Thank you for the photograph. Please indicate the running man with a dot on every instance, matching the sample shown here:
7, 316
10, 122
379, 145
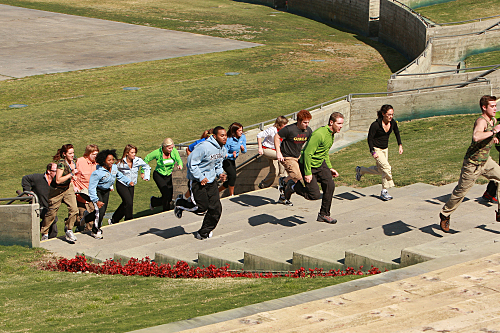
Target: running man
477, 160
204, 166
315, 166
288, 151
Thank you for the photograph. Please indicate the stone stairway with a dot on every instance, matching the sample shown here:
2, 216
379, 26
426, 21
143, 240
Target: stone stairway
257, 233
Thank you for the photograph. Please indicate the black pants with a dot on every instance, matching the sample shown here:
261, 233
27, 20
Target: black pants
126, 208
204, 199
230, 167
166, 188
103, 196
492, 186
310, 191
53, 226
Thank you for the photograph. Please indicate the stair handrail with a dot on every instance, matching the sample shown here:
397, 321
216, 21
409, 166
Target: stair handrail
24, 196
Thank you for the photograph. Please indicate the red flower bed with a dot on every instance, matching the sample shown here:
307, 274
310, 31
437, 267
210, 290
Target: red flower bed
146, 267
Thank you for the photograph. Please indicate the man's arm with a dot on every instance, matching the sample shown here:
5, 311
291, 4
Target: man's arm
277, 146
479, 133
27, 182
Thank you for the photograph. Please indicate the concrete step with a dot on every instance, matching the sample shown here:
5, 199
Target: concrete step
464, 241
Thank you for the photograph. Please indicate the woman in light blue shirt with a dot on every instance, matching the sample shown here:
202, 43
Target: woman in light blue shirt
236, 142
129, 165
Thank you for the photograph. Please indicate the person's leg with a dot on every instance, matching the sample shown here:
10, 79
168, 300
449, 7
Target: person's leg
89, 219
384, 167
295, 174
129, 211
310, 191
270, 156
124, 195
162, 186
103, 196
167, 192
53, 227
214, 210
324, 177
69, 198
468, 176
491, 171
55, 200
229, 167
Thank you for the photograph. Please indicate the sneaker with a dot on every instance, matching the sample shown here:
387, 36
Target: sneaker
197, 235
151, 203
326, 218
489, 198
97, 235
384, 195
70, 237
262, 186
283, 201
289, 190
110, 222
358, 173
445, 222
497, 216
177, 212
281, 185
44, 237
210, 234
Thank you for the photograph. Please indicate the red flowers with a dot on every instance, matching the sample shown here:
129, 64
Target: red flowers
146, 267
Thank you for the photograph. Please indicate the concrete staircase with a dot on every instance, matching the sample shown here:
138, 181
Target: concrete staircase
257, 233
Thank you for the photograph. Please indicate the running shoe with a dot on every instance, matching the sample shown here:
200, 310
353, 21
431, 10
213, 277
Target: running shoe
70, 237
358, 173
197, 235
97, 235
177, 212
289, 189
326, 218
489, 198
283, 201
44, 237
281, 185
445, 222
384, 195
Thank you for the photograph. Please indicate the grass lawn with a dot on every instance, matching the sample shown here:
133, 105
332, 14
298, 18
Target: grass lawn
460, 10
40, 301
483, 59
181, 97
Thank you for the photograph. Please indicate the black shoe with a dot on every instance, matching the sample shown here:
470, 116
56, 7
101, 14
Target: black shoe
289, 190
283, 201
281, 185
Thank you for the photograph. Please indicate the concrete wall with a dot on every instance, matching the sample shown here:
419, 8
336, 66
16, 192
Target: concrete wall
270, 3
418, 105
415, 82
351, 14
401, 29
451, 50
422, 3
460, 29
19, 225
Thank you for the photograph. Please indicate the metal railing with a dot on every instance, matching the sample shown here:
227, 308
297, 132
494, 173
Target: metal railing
457, 71
24, 196
473, 20
422, 18
248, 161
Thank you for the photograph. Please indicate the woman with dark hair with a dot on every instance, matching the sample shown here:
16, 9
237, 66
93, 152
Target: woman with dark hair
166, 157
61, 191
236, 142
100, 184
378, 141
129, 165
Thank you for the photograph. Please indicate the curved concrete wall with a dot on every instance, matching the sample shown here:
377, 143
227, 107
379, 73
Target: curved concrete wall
401, 29
351, 14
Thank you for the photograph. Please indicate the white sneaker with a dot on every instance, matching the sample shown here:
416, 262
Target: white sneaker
110, 222
198, 236
384, 195
70, 237
44, 237
97, 235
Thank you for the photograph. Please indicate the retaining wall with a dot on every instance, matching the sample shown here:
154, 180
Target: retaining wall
351, 14
401, 29
20, 225
460, 29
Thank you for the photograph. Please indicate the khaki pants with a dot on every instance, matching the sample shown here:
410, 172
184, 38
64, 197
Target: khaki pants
270, 155
468, 176
82, 207
56, 197
382, 168
291, 165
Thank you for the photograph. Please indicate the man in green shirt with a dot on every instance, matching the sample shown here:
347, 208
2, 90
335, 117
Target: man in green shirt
315, 167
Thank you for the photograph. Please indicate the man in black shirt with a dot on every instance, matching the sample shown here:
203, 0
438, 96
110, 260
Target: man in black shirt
288, 151
39, 184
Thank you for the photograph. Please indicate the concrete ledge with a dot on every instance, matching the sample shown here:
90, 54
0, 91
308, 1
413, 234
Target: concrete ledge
255, 262
356, 260
90, 258
302, 260
206, 260
161, 258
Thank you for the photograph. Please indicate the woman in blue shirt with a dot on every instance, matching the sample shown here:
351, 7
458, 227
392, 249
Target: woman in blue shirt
236, 142
129, 166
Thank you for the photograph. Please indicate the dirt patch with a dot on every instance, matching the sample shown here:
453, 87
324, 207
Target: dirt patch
240, 30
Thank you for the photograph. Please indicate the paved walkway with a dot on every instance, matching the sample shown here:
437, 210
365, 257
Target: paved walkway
34, 42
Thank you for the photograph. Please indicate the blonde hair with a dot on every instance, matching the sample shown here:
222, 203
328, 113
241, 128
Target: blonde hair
90, 149
167, 142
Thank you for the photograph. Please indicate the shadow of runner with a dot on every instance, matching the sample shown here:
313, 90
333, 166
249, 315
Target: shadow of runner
290, 221
252, 200
165, 233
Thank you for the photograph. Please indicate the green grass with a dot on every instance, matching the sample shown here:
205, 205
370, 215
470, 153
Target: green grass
40, 301
181, 97
434, 149
483, 59
460, 10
